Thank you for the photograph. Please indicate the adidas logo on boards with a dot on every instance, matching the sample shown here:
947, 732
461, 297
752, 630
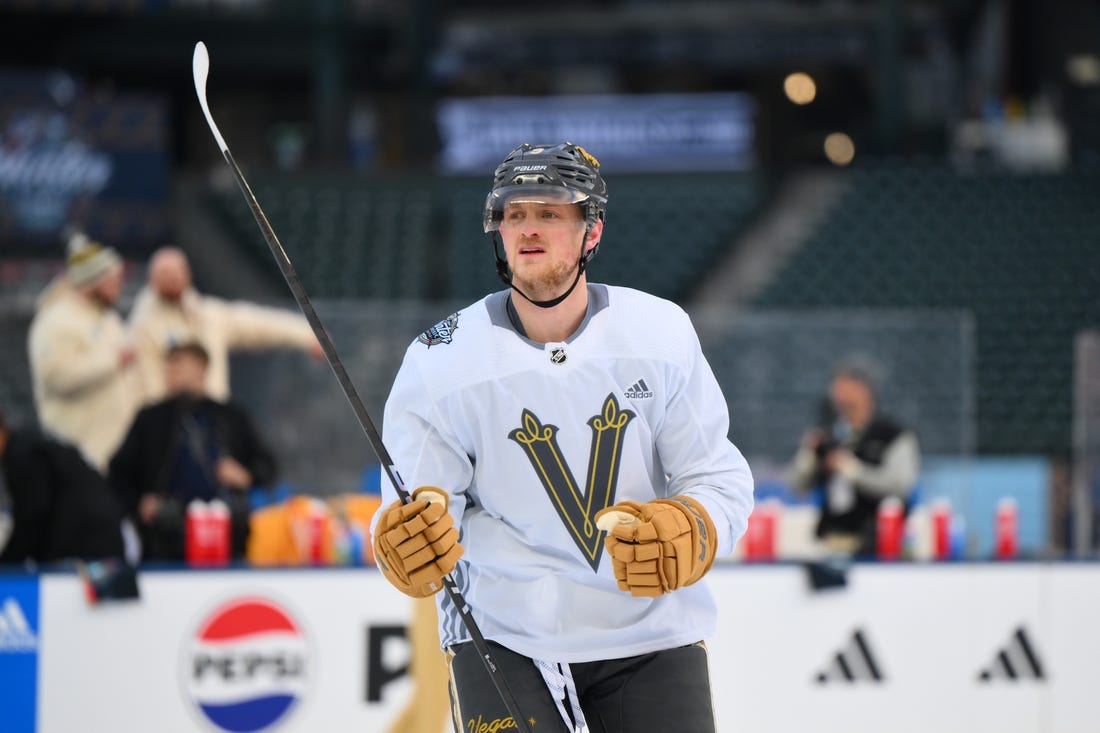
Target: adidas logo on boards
1017, 661
853, 663
16, 634
638, 391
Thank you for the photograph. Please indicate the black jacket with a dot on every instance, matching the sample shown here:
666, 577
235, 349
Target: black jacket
142, 464
61, 506
860, 519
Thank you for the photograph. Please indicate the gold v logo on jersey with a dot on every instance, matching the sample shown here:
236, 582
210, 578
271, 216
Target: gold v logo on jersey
578, 510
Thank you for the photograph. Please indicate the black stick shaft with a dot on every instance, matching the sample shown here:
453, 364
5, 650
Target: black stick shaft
319, 330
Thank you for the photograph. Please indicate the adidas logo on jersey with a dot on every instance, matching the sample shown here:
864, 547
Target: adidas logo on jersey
16, 634
638, 391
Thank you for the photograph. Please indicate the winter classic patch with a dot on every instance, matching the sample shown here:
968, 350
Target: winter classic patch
440, 333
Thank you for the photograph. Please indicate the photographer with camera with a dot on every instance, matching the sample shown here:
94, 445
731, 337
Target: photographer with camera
854, 458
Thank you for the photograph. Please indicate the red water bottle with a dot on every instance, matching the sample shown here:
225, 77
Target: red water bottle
316, 534
891, 526
941, 530
206, 533
218, 533
772, 511
194, 532
761, 531
1007, 529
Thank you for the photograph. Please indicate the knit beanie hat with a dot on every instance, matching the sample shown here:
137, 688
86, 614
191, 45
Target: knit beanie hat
88, 261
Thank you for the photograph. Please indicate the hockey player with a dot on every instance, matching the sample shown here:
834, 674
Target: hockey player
534, 420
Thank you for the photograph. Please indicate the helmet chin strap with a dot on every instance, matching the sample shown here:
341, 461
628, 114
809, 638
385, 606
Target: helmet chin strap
505, 272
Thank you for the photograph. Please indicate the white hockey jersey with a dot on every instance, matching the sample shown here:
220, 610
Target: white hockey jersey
532, 440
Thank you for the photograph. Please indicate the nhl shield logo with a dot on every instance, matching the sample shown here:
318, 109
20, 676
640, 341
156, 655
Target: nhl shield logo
558, 356
440, 333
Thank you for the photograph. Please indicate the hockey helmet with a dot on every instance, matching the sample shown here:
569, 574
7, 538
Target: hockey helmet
562, 173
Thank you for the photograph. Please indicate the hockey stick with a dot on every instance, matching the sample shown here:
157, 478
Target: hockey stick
200, 67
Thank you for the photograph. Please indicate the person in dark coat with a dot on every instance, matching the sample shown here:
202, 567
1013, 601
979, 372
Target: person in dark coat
856, 459
61, 507
188, 447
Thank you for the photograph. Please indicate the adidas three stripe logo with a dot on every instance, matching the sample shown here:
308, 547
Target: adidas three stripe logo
1017, 661
638, 391
853, 663
16, 635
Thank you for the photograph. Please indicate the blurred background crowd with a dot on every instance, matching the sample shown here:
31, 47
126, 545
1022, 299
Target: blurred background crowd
906, 185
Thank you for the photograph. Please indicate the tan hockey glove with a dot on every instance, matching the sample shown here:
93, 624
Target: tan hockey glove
416, 544
658, 546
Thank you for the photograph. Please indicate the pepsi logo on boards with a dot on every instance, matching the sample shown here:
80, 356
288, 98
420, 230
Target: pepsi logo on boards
246, 665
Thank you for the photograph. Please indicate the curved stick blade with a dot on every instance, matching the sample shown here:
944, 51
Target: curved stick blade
200, 68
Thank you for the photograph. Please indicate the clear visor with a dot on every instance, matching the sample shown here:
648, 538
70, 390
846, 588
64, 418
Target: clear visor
526, 194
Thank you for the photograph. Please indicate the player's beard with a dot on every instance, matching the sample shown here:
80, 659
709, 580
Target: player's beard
548, 282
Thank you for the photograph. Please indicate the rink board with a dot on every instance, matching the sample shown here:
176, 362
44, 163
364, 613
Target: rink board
955, 647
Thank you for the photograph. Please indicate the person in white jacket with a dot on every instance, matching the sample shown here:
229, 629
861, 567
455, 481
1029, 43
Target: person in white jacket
86, 387
169, 311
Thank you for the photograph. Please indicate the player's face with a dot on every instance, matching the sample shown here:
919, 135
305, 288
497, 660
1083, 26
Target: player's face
543, 244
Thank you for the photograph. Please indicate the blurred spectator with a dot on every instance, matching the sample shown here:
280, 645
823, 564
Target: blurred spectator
186, 447
855, 458
61, 507
86, 388
168, 310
